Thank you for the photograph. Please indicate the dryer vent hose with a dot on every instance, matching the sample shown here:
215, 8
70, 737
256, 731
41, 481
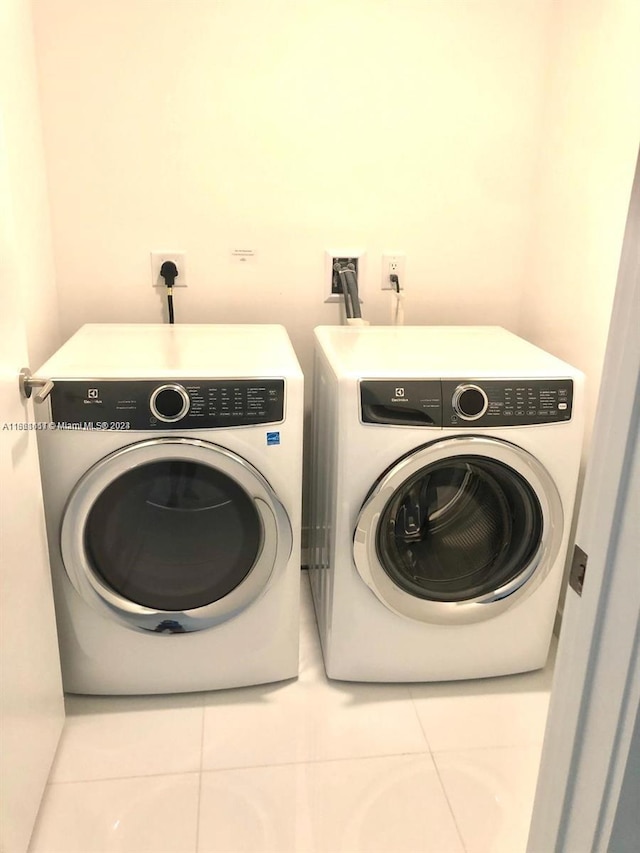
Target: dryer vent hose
349, 281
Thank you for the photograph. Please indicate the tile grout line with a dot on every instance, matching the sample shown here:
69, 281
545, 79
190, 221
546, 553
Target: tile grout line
437, 769
415, 711
530, 744
100, 779
309, 761
241, 767
198, 810
446, 796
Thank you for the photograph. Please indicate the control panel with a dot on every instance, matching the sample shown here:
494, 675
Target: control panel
152, 405
466, 402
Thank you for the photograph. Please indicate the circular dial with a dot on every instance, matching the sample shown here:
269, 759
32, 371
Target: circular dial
470, 402
169, 403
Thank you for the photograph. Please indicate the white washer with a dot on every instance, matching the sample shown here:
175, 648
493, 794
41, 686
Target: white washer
171, 461
445, 466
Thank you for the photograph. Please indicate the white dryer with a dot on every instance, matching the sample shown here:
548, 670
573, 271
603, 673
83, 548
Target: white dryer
444, 470
171, 461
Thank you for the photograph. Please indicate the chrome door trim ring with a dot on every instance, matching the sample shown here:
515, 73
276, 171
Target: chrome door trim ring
371, 571
275, 547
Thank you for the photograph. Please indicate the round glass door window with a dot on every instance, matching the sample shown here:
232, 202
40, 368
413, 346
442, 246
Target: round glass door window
458, 529
173, 535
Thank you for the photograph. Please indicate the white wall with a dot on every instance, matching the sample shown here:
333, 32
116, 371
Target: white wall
31, 702
493, 142
587, 160
27, 179
290, 127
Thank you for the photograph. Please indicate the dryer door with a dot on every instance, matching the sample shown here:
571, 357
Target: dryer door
173, 535
459, 530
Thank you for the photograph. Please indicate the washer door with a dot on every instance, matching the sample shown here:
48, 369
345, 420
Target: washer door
459, 530
173, 535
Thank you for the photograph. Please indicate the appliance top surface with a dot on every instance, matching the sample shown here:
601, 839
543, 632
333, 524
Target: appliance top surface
152, 351
434, 351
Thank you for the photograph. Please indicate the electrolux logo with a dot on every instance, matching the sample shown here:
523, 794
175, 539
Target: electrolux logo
93, 397
399, 395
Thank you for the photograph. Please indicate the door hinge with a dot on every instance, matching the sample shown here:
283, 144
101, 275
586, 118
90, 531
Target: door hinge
578, 569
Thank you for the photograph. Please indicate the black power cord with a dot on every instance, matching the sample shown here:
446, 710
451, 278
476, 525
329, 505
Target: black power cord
398, 317
169, 272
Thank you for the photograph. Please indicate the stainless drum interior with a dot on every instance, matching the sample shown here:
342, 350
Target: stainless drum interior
458, 529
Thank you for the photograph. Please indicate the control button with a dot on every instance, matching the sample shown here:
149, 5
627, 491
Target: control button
563, 406
469, 402
169, 403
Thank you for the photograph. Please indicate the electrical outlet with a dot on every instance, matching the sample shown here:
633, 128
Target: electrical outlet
178, 258
333, 284
393, 263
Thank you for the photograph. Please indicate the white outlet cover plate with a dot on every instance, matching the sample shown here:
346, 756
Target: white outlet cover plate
389, 258
179, 258
329, 255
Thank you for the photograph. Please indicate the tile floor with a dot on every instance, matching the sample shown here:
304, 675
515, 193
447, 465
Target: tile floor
309, 766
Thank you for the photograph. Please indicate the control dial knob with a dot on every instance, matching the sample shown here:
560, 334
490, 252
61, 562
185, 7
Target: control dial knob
169, 403
469, 402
